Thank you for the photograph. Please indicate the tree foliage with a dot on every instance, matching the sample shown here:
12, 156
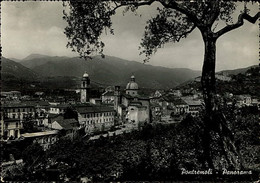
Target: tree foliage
175, 20
88, 19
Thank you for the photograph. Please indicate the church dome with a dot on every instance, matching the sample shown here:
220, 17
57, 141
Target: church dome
132, 85
85, 75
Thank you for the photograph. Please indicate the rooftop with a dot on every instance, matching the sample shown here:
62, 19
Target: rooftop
67, 124
138, 96
17, 105
193, 102
40, 134
93, 108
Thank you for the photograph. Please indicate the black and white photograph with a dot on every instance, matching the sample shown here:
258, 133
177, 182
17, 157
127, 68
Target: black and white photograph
130, 91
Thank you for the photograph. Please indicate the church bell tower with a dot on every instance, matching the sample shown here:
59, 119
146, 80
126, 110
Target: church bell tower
85, 87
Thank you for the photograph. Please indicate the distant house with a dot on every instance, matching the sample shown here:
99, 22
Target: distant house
158, 93
58, 109
12, 94
156, 110
172, 104
18, 111
45, 139
49, 119
137, 113
13, 116
223, 76
108, 97
96, 101
41, 109
243, 100
39, 94
255, 102
194, 106
70, 126
10, 128
95, 117
177, 93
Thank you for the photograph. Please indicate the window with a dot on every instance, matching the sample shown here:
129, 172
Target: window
23, 109
6, 125
13, 116
16, 124
13, 110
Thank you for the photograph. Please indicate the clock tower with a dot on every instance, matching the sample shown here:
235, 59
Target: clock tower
85, 87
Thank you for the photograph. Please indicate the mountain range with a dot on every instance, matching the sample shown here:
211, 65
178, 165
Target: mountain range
107, 71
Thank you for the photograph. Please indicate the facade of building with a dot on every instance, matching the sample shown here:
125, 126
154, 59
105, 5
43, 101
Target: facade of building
194, 107
108, 97
243, 100
223, 77
14, 115
12, 94
96, 101
95, 117
70, 126
130, 106
173, 105
45, 139
58, 109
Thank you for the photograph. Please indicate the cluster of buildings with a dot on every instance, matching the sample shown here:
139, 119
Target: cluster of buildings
114, 107
41, 119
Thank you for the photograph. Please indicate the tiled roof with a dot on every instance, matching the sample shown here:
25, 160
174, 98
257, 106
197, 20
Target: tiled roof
51, 116
173, 99
138, 96
93, 109
60, 106
17, 105
37, 103
67, 124
193, 102
135, 103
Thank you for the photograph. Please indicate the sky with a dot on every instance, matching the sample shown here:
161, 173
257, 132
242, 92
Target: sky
37, 27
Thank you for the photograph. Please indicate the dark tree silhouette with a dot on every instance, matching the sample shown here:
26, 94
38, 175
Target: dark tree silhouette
175, 20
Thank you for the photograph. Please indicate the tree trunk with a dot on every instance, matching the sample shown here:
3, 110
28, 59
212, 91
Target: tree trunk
208, 73
209, 91
215, 124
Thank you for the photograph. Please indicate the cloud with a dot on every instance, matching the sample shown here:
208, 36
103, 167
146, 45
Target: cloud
37, 27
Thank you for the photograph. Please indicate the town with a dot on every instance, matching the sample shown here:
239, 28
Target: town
116, 111
129, 91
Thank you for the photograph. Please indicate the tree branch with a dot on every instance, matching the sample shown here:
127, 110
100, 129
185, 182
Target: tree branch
239, 23
171, 4
180, 8
134, 3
